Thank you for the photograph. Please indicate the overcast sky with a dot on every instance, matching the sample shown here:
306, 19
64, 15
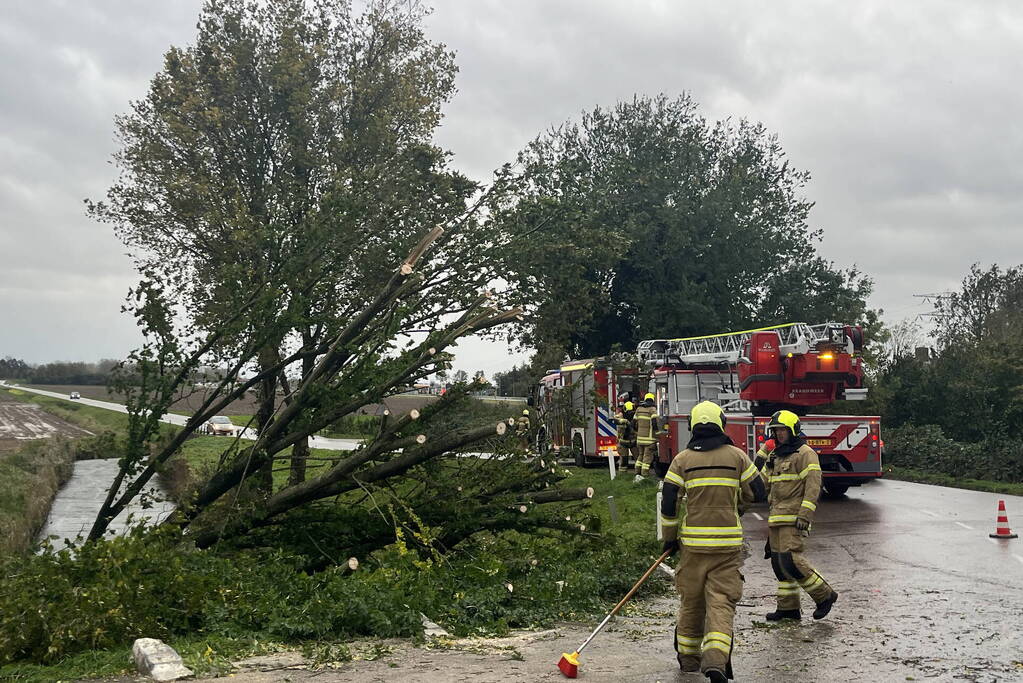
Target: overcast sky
908, 116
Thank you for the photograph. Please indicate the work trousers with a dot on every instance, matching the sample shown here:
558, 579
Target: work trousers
627, 451
710, 585
792, 569
647, 453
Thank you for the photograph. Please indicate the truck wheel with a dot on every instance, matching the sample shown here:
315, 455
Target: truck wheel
836, 490
577, 451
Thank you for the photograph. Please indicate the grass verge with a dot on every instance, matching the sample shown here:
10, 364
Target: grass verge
939, 479
29, 480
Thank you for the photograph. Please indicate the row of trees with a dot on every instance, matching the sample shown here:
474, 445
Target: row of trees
61, 372
969, 385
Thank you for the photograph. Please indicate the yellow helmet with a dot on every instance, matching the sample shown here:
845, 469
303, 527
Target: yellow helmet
648, 397
787, 419
707, 413
525, 412
629, 405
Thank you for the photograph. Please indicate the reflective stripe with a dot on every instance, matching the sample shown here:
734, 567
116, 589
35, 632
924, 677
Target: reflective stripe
811, 582
809, 468
712, 481
689, 649
717, 635
715, 645
788, 591
750, 472
781, 518
784, 477
788, 584
675, 479
712, 530
669, 521
808, 504
712, 542
686, 640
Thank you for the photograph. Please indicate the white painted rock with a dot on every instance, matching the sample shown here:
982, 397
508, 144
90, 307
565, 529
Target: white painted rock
158, 660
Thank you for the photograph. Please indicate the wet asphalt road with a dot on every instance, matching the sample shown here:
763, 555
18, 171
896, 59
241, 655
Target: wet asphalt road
924, 595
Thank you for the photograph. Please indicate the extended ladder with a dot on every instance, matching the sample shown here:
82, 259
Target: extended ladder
717, 350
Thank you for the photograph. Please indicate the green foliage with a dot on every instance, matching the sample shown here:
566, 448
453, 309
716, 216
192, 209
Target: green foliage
106, 593
29, 480
926, 448
971, 389
644, 220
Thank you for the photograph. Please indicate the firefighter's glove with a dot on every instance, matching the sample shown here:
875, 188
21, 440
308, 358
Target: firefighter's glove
767, 549
670, 547
802, 524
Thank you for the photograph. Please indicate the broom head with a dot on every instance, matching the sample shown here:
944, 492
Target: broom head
569, 664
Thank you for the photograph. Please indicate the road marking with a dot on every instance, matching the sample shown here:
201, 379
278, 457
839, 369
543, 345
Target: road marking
965, 526
928, 512
1020, 558
757, 515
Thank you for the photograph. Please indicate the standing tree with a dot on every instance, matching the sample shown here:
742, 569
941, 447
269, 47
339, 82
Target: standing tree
668, 226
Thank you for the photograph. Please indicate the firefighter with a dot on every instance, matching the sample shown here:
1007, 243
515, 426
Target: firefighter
646, 436
522, 427
626, 435
717, 479
793, 475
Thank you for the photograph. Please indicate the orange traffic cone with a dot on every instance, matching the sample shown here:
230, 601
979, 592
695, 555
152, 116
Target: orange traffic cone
1002, 529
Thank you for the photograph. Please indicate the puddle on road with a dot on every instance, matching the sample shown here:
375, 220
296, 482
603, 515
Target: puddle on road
78, 502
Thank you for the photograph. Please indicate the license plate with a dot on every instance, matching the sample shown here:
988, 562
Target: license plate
818, 442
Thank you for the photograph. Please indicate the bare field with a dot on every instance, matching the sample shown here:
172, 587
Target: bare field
21, 422
398, 405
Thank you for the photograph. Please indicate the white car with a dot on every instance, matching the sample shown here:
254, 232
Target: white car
75, 396
221, 425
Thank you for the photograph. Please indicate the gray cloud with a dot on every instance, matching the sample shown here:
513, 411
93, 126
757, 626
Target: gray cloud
906, 114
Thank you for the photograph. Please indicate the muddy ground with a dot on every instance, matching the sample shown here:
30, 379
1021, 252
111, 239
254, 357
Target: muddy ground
20, 422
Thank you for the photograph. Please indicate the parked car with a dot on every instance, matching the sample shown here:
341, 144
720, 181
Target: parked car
221, 425
75, 395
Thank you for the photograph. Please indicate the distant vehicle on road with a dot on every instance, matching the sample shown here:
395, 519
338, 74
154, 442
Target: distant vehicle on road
221, 425
75, 395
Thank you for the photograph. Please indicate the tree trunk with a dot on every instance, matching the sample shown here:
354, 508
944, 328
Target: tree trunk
300, 451
266, 394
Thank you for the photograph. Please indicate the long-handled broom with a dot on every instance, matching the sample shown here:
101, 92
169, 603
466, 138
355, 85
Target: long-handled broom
569, 663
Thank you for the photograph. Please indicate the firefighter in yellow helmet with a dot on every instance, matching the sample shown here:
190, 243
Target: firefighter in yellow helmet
646, 436
793, 474
522, 427
626, 435
716, 479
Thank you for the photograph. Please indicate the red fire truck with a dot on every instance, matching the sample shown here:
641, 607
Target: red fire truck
751, 374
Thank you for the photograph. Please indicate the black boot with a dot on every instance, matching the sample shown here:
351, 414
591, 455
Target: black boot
824, 606
715, 676
780, 614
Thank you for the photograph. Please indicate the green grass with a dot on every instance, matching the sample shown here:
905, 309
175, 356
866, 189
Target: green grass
93, 419
636, 503
938, 479
29, 480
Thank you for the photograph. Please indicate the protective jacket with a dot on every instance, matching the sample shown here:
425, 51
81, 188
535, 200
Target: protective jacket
522, 425
646, 424
626, 427
793, 476
714, 481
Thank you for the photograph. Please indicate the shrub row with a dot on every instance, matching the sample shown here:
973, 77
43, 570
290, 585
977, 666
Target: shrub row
927, 448
105, 594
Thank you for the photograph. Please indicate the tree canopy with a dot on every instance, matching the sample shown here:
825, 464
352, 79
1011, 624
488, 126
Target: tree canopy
660, 223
